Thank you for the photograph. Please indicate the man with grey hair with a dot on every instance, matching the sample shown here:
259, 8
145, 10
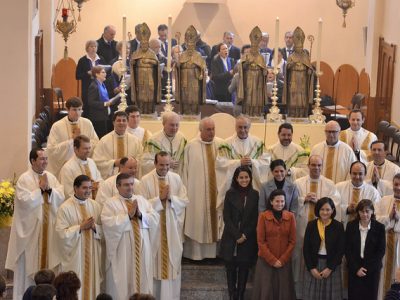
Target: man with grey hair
170, 140
264, 50
107, 47
135, 42
199, 177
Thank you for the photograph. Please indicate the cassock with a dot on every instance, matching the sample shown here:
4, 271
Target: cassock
351, 194
290, 155
142, 134
129, 248
168, 239
228, 159
108, 189
32, 246
75, 167
364, 139
322, 187
60, 144
392, 254
199, 177
386, 171
161, 142
113, 146
80, 251
337, 160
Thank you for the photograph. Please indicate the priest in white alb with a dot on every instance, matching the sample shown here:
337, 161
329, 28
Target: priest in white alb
241, 149
80, 164
108, 187
129, 222
115, 145
199, 178
170, 140
358, 138
167, 194
38, 196
134, 125
336, 155
80, 234
311, 188
60, 146
388, 213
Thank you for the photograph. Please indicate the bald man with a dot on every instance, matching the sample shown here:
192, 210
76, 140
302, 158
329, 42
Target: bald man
337, 156
170, 140
199, 178
107, 46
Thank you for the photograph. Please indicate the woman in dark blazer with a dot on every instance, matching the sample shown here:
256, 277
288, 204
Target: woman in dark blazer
238, 245
323, 250
99, 102
367, 235
84, 71
278, 169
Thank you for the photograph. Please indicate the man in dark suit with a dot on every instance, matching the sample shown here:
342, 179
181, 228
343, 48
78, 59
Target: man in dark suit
233, 52
163, 37
135, 42
222, 73
106, 44
264, 50
289, 49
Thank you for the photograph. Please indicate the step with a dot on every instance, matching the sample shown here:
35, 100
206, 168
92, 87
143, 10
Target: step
204, 273
195, 290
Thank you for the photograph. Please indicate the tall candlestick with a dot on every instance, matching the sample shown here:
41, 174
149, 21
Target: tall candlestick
169, 56
124, 41
276, 49
319, 37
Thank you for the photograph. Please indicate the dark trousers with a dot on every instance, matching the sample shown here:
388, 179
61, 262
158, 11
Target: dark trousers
236, 275
364, 288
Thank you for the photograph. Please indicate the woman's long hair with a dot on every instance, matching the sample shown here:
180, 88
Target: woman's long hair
235, 185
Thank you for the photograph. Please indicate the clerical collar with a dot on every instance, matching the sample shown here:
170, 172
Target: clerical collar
39, 174
240, 139
119, 135
161, 177
335, 145
379, 165
357, 187
169, 137
314, 180
72, 122
83, 162
80, 201
125, 198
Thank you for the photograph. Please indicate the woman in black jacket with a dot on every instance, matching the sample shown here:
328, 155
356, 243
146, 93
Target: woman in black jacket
323, 249
365, 248
239, 239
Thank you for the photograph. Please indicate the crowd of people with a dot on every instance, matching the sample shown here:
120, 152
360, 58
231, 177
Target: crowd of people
117, 214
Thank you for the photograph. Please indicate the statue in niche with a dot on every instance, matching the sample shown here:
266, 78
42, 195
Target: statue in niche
190, 81
145, 73
299, 79
251, 92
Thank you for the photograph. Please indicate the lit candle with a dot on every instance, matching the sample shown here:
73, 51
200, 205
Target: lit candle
276, 49
319, 37
169, 43
124, 40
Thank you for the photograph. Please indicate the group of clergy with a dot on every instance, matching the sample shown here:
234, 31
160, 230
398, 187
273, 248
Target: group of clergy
121, 211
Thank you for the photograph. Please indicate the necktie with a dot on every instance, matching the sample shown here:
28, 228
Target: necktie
45, 228
87, 244
212, 191
329, 163
311, 206
120, 146
164, 237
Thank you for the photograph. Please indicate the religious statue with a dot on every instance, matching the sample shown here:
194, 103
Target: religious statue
251, 92
190, 81
299, 79
145, 73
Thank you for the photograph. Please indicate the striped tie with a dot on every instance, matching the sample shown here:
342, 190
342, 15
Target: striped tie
87, 244
164, 237
212, 186
311, 205
329, 163
45, 229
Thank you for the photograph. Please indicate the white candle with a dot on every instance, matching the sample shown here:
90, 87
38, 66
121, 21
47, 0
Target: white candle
169, 43
124, 40
319, 37
276, 49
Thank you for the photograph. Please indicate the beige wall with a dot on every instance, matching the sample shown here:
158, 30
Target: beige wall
340, 45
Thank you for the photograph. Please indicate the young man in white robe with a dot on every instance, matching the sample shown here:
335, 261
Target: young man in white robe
291, 153
133, 124
108, 187
167, 194
358, 138
388, 213
241, 149
60, 146
311, 188
115, 145
80, 236
170, 140
201, 233
336, 155
129, 222
38, 196
80, 164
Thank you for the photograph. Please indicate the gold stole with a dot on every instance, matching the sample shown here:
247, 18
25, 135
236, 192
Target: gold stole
120, 146
88, 173
355, 198
390, 252
330, 156
87, 252
138, 240
45, 230
146, 136
311, 205
343, 136
212, 190
73, 126
365, 146
164, 237
380, 168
